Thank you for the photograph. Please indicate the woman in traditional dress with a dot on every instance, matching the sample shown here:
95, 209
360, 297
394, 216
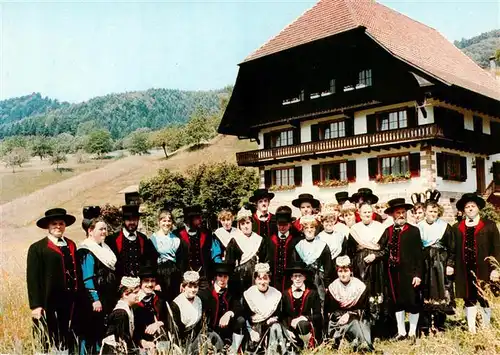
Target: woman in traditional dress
244, 251
171, 251
187, 313
348, 213
366, 247
346, 309
316, 254
335, 238
120, 327
226, 232
438, 241
262, 310
99, 295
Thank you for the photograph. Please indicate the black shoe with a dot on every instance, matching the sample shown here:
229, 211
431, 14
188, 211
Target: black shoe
399, 337
413, 339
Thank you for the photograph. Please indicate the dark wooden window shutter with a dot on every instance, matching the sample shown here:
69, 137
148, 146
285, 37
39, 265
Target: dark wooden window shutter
415, 164
316, 173
297, 174
349, 127
314, 133
411, 117
463, 168
267, 140
296, 135
371, 123
268, 178
372, 168
440, 164
351, 170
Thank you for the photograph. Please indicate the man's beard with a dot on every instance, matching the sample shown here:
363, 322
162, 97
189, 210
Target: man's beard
131, 229
400, 221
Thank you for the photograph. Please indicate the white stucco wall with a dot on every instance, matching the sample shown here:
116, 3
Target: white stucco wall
426, 120
360, 123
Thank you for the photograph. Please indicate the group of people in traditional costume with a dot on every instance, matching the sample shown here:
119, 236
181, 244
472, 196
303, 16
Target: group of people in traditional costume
349, 269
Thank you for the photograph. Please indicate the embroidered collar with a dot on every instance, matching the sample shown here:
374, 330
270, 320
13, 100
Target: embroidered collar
225, 236
310, 251
474, 222
101, 251
334, 241
368, 235
431, 233
248, 245
60, 242
350, 292
262, 304
190, 312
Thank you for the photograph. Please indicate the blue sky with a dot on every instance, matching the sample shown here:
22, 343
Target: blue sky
74, 51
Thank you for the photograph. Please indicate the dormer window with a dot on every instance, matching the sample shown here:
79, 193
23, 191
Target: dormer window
295, 99
364, 80
324, 91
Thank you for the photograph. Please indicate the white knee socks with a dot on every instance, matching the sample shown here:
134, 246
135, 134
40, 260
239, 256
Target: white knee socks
400, 320
413, 324
470, 314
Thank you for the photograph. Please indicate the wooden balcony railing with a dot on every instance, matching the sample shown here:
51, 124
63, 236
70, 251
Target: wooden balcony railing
253, 157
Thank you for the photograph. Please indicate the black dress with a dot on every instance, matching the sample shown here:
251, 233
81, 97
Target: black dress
188, 319
119, 332
150, 309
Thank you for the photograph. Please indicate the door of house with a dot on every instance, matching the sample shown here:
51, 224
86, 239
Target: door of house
480, 175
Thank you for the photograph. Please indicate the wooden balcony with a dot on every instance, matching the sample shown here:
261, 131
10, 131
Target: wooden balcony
332, 146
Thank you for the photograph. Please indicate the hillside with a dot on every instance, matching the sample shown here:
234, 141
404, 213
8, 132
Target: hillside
17, 108
118, 113
481, 48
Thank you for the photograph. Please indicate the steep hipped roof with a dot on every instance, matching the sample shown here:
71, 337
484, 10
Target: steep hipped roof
413, 42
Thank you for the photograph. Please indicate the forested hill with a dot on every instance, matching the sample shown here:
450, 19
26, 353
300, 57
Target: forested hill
481, 48
118, 113
17, 108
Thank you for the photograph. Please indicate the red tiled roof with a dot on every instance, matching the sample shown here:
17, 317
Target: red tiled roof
411, 41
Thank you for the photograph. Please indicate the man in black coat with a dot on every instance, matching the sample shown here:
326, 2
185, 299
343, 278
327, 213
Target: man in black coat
405, 267
53, 278
281, 248
224, 310
132, 248
264, 223
301, 313
201, 248
477, 240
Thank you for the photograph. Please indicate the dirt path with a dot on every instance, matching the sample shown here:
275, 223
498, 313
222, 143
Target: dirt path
18, 217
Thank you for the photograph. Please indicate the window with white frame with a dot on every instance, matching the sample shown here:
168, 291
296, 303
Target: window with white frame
393, 120
295, 99
335, 130
364, 79
283, 177
334, 171
284, 138
398, 165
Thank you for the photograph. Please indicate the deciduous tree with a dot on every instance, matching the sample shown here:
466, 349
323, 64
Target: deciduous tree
99, 142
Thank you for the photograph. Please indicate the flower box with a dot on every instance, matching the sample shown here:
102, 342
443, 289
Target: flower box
385, 179
331, 183
282, 187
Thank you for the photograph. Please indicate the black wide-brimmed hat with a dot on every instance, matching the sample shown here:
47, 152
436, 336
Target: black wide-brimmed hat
342, 197
147, 270
470, 197
397, 203
366, 194
55, 214
260, 194
130, 211
299, 267
223, 268
192, 211
306, 198
284, 214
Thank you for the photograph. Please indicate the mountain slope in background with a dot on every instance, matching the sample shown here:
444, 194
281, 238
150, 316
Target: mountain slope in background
17, 108
119, 113
481, 48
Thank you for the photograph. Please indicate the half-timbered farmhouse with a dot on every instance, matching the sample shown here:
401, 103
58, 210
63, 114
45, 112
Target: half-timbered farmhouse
354, 94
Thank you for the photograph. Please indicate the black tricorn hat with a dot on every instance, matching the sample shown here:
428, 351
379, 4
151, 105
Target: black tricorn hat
470, 197
192, 211
130, 211
397, 203
147, 270
366, 194
342, 197
223, 268
284, 214
260, 194
91, 212
55, 214
299, 267
306, 198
